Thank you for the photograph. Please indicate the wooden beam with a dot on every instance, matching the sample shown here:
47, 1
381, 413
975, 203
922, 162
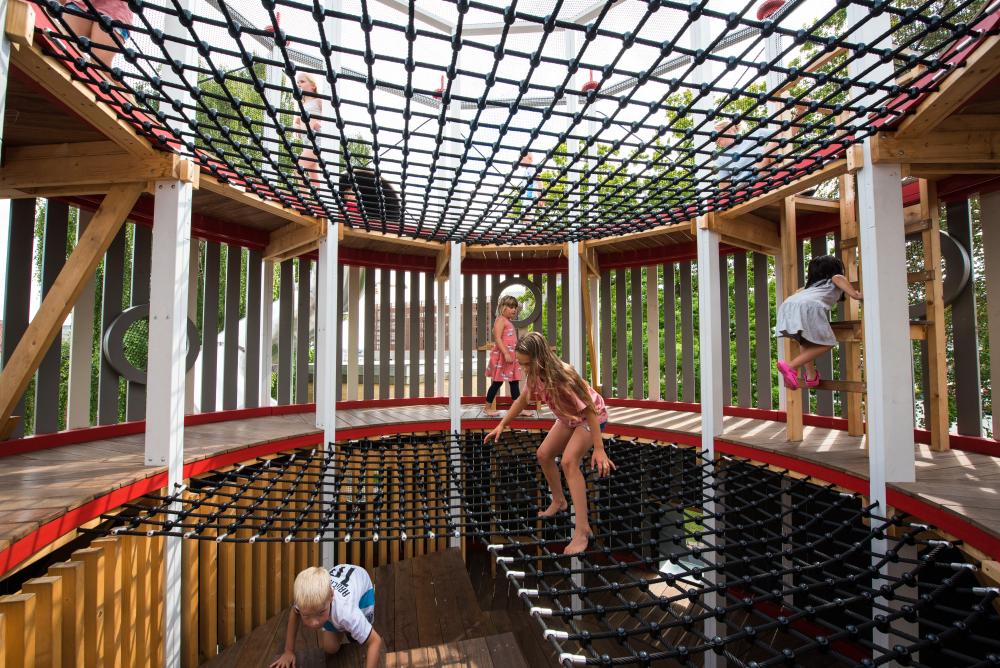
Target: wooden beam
493, 251
747, 231
441, 267
93, 167
288, 241
938, 419
788, 263
968, 122
938, 147
816, 204
645, 235
588, 260
938, 171
52, 76
20, 23
812, 67
958, 87
212, 184
61, 297
830, 171
842, 386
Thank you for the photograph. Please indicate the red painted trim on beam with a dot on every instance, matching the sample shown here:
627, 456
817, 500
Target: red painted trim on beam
841, 478
551, 265
945, 520
362, 257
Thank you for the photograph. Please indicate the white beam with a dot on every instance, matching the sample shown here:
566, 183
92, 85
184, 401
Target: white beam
165, 391
327, 334
454, 364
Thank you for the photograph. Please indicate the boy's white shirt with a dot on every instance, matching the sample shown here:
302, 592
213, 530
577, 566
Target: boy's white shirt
349, 584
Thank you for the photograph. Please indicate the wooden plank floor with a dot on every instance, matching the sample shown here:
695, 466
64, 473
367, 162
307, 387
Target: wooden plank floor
41, 486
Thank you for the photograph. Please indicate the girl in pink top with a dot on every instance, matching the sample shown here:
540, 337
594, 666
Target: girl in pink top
580, 418
81, 23
503, 367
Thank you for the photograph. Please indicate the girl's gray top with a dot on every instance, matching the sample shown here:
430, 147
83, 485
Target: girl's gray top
805, 316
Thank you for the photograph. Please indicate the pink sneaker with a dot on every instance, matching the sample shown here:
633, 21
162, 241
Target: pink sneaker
790, 375
814, 381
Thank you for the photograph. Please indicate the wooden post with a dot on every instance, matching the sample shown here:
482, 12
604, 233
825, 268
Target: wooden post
789, 281
48, 619
989, 206
938, 421
112, 601
82, 346
208, 555
61, 297
70, 574
18, 610
190, 601
851, 350
226, 585
653, 327
93, 596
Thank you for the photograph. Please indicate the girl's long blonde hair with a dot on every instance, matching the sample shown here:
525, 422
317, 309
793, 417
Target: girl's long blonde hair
505, 301
559, 379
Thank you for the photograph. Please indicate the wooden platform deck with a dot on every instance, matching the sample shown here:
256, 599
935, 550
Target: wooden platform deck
39, 487
427, 614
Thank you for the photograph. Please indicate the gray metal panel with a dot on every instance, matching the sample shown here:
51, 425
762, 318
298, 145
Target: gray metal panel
688, 388
255, 305
669, 334
17, 299
368, 371
762, 330
231, 327
302, 339
725, 333
741, 304
142, 250
339, 352
551, 311
111, 308
638, 327
210, 327
430, 349
287, 292
384, 333
53, 259
414, 333
467, 334
484, 331
824, 363
399, 340
606, 380
621, 335
968, 390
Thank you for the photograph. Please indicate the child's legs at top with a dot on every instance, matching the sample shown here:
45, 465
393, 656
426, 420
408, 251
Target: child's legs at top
553, 446
331, 641
579, 443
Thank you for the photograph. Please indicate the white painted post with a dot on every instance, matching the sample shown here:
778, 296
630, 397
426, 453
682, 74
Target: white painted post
328, 333
574, 280
267, 335
989, 207
442, 313
81, 347
319, 393
165, 389
653, 327
454, 368
882, 244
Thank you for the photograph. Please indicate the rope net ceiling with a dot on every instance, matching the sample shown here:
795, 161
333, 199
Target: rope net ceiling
614, 104
793, 571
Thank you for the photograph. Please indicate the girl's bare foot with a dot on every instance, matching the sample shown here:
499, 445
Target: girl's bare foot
490, 412
554, 508
579, 543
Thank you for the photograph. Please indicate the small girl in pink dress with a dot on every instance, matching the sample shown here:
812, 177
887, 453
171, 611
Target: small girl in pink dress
105, 47
503, 367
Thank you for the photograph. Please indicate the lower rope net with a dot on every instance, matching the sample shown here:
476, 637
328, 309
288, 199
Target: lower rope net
690, 558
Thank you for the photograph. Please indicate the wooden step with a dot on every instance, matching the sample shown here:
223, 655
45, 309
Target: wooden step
495, 651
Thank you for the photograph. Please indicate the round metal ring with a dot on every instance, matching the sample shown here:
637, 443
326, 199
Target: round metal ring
957, 271
113, 344
536, 313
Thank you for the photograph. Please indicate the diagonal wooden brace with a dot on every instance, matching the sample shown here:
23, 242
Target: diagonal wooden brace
61, 297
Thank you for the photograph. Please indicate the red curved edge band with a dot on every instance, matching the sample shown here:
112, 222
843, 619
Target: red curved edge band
49, 532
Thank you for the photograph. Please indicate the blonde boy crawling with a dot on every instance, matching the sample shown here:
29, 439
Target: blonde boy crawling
336, 602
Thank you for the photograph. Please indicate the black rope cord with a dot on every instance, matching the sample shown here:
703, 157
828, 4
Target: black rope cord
802, 572
622, 162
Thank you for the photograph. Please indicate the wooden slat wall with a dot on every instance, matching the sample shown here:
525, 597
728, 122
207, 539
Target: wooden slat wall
688, 389
965, 343
111, 308
762, 330
53, 259
551, 310
741, 302
564, 334
210, 328
429, 312
231, 333
353, 325
369, 341
605, 324
483, 333
413, 363
467, 325
142, 252
255, 305
727, 366
385, 344
287, 296
621, 338
399, 344
637, 322
17, 297
303, 325
669, 334
339, 352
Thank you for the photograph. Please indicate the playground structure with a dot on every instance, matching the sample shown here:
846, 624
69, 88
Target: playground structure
192, 204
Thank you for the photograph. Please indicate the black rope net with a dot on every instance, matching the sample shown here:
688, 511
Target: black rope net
689, 558
513, 122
